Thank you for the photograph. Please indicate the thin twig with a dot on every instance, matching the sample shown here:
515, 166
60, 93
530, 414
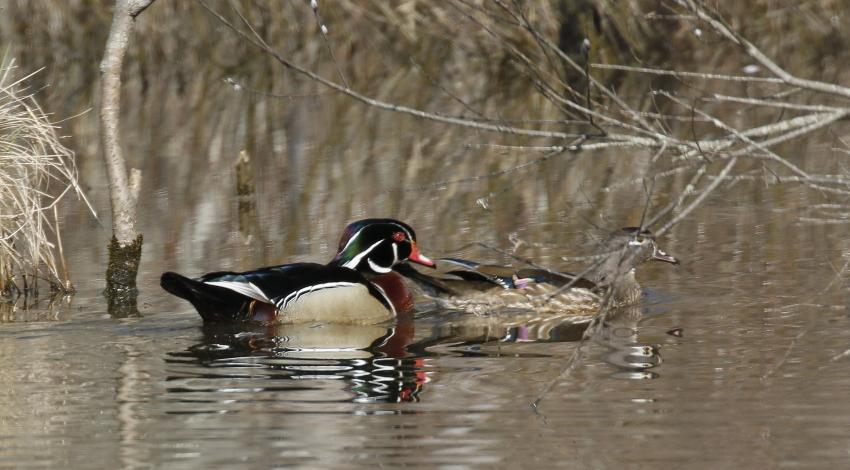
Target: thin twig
698, 200
712, 18
677, 73
784, 356
257, 41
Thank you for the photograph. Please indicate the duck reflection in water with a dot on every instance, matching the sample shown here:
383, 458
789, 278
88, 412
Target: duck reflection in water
619, 333
371, 360
376, 363
488, 334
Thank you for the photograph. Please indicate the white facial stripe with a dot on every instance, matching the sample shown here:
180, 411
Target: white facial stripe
247, 289
350, 240
395, 254
352, 264
293, 297
378, 269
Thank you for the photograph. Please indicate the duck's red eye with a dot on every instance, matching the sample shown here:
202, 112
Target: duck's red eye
398, 236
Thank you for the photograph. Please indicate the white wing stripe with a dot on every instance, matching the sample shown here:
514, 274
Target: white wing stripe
293, 296
247, 289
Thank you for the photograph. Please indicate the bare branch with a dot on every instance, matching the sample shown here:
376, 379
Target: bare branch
699, 199
719, 25
680, 74
257, 41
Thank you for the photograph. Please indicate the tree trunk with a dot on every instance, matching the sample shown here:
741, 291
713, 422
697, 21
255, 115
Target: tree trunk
246, 195
125, 249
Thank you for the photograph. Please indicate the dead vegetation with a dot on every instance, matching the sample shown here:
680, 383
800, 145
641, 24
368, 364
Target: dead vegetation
36, 173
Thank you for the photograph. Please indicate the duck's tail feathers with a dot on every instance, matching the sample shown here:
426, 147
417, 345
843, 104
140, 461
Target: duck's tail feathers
215, 304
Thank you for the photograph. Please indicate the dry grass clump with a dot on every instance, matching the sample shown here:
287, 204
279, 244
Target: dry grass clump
36, 172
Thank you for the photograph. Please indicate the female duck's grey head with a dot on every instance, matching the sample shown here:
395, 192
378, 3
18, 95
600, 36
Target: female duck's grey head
625, 250
642, 244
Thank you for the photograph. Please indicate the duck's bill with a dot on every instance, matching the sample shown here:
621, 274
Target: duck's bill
419, 258
660, 255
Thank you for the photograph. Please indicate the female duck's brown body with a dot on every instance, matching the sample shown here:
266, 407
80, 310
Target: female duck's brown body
479, 288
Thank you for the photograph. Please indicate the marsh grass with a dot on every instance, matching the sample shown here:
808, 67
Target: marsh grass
36, 172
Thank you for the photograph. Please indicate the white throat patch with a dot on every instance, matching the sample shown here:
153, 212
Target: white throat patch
377, 268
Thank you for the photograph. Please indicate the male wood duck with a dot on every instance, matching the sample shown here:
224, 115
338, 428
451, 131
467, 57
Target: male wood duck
481, 288
358, 286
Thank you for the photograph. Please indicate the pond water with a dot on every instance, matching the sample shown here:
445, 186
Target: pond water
736, 358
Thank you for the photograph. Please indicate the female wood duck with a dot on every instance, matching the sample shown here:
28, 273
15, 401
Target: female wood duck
481, 288
358, 286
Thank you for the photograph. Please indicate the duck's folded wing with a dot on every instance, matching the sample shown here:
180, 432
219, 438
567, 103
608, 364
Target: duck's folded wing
556, 278
496, 275
431, 285
278, 285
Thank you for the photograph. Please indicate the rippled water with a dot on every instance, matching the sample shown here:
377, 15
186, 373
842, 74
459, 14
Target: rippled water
720, 367
738, 358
